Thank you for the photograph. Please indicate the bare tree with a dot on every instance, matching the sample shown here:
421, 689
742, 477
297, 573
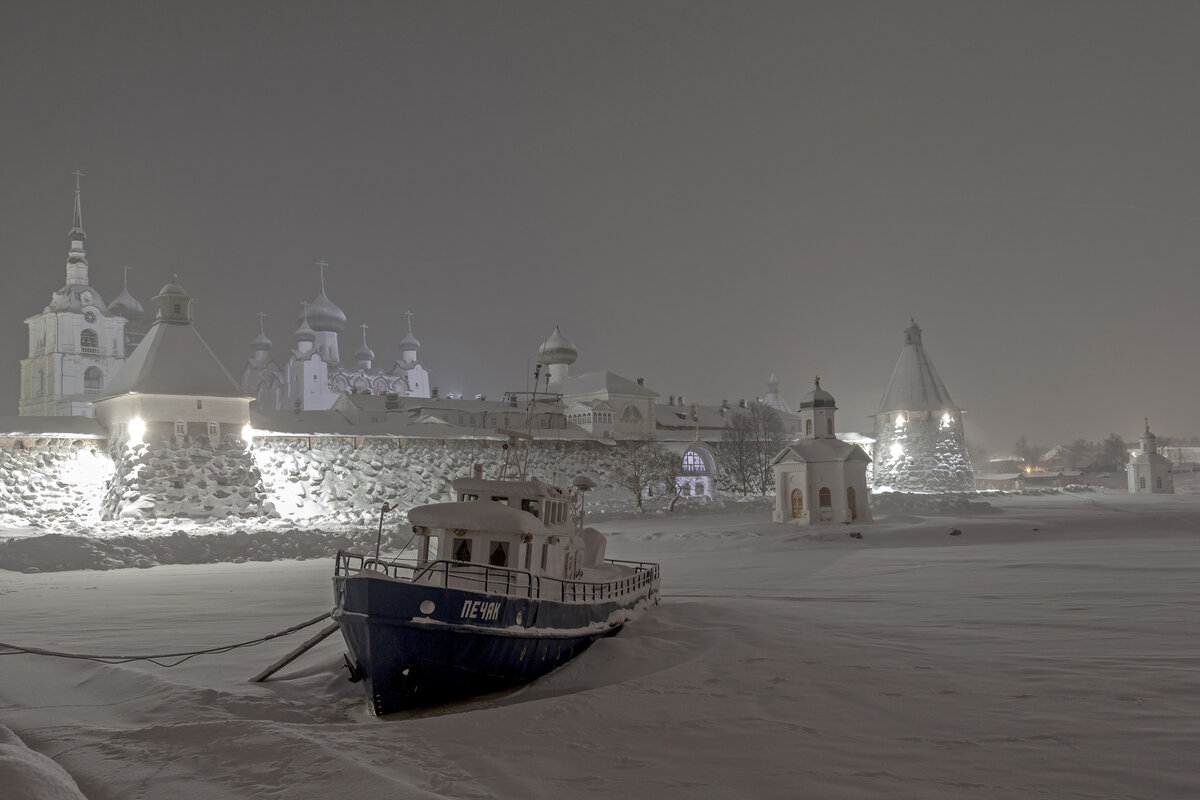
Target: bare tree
641, 467
751, 439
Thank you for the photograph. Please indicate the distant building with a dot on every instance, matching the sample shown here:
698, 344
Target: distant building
77, 343
1148, 471
919, 440
313, 375
818, 477
172, 386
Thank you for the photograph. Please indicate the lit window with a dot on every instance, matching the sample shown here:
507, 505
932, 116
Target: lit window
692, 462
213, 429
797, 503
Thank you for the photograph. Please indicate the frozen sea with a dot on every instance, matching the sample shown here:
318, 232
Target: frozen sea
1051, 649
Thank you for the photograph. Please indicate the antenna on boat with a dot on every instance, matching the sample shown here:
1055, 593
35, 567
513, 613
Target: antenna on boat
379, 539
581, 484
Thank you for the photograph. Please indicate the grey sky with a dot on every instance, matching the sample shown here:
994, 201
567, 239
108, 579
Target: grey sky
698, 193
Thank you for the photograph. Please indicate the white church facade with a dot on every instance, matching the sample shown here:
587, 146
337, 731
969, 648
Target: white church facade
818, 477
1148, 471
78, 342
312, 375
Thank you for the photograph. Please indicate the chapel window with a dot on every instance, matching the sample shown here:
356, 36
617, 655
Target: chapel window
89, 342
797, 503
180, 428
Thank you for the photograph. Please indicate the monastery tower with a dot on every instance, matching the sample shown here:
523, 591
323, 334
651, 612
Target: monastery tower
919, 440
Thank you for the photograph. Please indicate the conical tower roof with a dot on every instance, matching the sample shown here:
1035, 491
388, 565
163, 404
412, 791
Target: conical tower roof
915, 384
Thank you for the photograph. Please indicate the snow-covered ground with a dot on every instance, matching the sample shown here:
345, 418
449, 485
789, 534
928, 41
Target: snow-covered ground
1049, 649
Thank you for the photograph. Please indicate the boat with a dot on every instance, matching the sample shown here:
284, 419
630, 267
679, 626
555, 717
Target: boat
506, 586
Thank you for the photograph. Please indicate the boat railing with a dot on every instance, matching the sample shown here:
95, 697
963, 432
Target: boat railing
504, 580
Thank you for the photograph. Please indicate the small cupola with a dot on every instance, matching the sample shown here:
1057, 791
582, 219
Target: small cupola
174, 304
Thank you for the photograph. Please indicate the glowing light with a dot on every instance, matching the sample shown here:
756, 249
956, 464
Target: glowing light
137, 430
946, 420
247, 433
897, 450
899, 421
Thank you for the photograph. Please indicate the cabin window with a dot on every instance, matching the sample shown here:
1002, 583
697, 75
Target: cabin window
462, 550
498, 554
467, 497
499, 499
428, 547
532, 506
528, 555
545, 554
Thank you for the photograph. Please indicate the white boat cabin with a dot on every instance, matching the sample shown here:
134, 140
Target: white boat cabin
522, 525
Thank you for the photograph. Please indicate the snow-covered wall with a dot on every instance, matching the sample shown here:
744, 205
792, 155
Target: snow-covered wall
195, 478
922, 452
52, 481
70, 484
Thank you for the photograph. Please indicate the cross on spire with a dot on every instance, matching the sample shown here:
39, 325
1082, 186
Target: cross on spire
364, 330
77, 175
409, 315
125, 269
322, 264
261, 329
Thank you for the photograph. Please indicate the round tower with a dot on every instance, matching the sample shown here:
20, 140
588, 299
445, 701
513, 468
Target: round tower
919, 441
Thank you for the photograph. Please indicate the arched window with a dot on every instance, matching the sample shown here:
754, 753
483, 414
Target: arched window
631, 414
797, 503
808, 427
213, 430
693, 462
825, 497
93, 378
829, 425
89, 342
180, 428
851, 503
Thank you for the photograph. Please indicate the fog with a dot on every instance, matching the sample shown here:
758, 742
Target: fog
698, 194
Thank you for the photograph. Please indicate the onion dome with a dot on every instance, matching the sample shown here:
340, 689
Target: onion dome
261, 342
126, 305
557, 350
364, 353
409, 342
305, 333
323, 314
818, 397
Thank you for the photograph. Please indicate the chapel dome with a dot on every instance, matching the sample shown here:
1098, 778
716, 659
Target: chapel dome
818, 397
557, 349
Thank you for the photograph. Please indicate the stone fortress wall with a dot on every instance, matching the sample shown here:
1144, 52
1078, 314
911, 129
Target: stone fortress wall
73, 484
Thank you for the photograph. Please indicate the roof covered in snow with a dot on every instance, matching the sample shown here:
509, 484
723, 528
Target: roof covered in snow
174, 360
915, 384
480, 515
598, 382
812, 451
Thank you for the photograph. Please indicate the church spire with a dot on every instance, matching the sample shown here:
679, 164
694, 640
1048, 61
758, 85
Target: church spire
77, 265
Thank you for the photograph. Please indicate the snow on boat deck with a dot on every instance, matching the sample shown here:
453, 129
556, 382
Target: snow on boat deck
784, 662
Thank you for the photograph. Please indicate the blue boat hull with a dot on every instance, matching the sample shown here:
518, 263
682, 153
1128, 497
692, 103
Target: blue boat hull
419, 645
